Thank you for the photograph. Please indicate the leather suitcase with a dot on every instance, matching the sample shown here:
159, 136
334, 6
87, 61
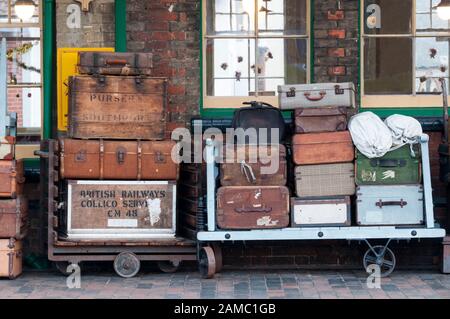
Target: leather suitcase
320, 211
317, 120
11, 178
259, 116
7, 148
115, 63
252, 207
117, 107
100, 159
323, 148
390, 205
396, 167
13, 218
292, 96
10, 258
254, 165
325, 180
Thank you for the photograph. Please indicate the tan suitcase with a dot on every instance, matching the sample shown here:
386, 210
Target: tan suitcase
10, 258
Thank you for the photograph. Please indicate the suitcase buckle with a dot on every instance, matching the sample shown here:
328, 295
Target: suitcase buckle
338, 90
120, 155
291, 92
80, 156
159, 158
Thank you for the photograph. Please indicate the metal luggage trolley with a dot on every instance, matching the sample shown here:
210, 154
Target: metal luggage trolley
380, 255
126, 255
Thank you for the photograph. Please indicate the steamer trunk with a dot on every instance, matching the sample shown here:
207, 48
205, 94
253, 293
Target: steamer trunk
120, 210
11, 178
13, 217
117, 107
10, 258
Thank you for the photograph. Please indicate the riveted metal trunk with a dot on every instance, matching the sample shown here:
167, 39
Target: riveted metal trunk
247, 165
321, 211
252, 207
100, 159
114, 107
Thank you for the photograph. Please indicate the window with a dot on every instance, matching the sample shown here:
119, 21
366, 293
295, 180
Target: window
24, 66
252, 46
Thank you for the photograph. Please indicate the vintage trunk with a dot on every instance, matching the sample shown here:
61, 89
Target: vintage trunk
115, 63
396, 167
11, 178
10, 258
252, 207
317, 120
100, 159
254, 165
7, 148
120, 210
392, 205
323, 148
325, 180
13, 218
117, 107
291, 97
320, 211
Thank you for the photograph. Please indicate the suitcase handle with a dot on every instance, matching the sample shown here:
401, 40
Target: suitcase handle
387, 163
315, 98
116, 62
253, 210
400, 203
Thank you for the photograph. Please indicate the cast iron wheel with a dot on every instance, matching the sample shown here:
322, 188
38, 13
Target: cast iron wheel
207, 262
381, 256
168, 267
218, 256
127, 265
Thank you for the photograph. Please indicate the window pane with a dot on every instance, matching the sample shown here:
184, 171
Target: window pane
14, 18
286, 17
26, 102
387, 16
388, 66
229, 65
280, 61
431, 63
427, 20
230, 17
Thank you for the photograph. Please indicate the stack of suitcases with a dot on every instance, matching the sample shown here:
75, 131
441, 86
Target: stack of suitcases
323, 153
116, 161
13, 205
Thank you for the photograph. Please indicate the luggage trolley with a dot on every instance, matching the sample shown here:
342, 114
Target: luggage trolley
380, 255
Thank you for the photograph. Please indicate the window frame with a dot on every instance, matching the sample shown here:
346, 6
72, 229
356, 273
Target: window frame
413, 100
231, 102
30, 131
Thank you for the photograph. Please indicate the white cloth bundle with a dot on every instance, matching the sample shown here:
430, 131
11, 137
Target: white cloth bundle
404, 130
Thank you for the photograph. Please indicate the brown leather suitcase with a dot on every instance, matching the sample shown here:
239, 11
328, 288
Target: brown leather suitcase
117, 107
115, 63
7, 147
132, 160
11, 178
10, 258
13, 218
254, 165
323, 148
252, 207
321, 119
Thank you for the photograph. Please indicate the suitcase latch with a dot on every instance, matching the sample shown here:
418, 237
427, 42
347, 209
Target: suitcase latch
80, 156
160, 158
291, 92
338, 90
120, 155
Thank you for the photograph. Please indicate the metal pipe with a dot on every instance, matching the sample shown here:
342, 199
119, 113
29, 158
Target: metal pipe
121, 25
445, 108
48, 66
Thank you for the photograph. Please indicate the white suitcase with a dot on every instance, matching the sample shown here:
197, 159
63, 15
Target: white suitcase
295, 96
320, 211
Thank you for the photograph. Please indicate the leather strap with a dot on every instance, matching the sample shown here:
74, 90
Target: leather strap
139, 160
400, 203
102, 157
248, 172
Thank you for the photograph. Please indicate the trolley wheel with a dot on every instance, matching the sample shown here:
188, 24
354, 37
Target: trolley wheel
168, 266
218, 256
386, 261
61, 266
127, 265
207, 262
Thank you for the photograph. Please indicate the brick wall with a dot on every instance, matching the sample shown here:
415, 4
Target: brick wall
170, 30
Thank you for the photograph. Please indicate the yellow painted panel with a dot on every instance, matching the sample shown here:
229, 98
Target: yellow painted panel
383, 101
67, 66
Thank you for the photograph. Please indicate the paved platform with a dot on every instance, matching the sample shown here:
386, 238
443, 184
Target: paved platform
230, 285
